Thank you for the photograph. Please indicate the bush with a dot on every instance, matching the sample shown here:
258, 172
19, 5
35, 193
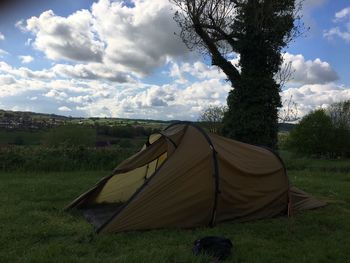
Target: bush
340, 116
313, 135
39, 158
70, 135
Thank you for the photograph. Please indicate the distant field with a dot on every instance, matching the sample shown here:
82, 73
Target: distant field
35, 229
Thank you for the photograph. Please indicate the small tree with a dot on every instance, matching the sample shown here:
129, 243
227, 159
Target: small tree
313, 135
339, 114
289, 111
212, 117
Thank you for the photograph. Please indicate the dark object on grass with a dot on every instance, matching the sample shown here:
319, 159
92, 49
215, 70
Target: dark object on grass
218, 247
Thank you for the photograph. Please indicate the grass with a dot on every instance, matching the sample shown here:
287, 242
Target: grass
34, 228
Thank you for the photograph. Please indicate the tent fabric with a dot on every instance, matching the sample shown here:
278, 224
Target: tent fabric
185, 178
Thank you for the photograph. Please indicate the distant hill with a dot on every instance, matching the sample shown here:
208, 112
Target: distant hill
15, 117
27, 119
26, 114
285, 127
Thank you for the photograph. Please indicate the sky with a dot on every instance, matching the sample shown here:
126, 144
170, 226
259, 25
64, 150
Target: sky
123, 59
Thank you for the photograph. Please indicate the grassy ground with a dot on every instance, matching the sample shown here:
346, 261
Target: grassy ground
34, 229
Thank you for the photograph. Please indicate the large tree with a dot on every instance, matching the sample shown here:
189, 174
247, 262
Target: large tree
256, 31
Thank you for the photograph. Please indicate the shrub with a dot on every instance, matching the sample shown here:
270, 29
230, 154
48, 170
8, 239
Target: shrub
39, 158
313, 135
70, 135
340, 116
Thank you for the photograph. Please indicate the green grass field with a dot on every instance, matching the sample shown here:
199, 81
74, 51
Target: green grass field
35, 229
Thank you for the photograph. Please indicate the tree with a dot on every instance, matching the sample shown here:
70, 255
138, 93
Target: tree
340, 116
257, 30
289, 111
313, 135
212, 117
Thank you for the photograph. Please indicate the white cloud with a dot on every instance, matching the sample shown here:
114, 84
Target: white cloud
26, 73
342, 30
309, 71
310, 97
55, 94
342, 13
3, 52
26, 59
138, 38
91, 71
7, 80
126, 38
70, 38
20, 24
64, 108
2, 37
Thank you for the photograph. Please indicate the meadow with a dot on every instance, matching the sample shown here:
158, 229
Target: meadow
35, 229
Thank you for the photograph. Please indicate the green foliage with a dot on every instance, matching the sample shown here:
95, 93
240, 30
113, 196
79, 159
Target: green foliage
313, 135
35, 229
70, 135
21, 137
38, 158
125, 131
211, 118
340, 116
318, 135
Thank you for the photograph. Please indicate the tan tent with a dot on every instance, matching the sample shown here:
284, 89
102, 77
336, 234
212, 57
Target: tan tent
184, 178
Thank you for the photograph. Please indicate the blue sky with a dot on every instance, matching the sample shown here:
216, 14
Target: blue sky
122, 59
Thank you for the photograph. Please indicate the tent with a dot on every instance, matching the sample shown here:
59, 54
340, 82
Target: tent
184, 178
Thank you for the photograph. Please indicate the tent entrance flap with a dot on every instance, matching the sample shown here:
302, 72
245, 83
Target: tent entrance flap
117, 191
122, 186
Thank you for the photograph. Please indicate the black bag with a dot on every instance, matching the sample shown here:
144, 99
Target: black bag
218, 247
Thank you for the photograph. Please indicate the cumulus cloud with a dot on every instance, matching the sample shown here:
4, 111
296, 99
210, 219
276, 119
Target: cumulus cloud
133, 38
64, 108
55, 94
310, 97
139, 38
24, 72
309, 71
26, 59
2, 37
7, 80
342, 30
91, 71
70, 38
